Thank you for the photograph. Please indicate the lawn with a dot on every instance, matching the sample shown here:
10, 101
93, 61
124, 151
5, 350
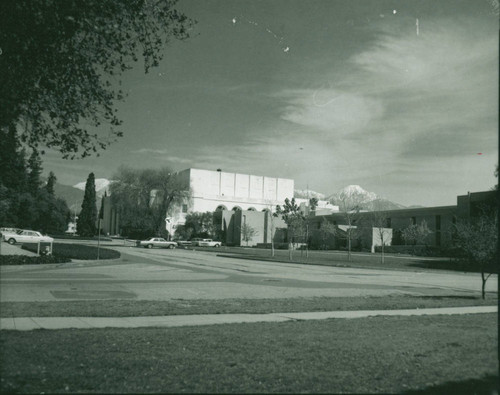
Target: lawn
359, 259
137, 308
76, 251
369, 355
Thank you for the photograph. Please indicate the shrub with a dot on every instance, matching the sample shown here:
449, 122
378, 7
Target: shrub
31, 260
77, 251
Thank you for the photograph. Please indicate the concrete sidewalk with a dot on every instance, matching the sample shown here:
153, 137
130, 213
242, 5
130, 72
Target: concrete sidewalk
30, 323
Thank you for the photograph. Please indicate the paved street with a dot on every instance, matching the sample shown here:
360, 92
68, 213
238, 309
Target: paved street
160, 274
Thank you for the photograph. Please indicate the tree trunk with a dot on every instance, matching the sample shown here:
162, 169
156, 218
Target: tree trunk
307, 241
290, 247
383, 252
483, 292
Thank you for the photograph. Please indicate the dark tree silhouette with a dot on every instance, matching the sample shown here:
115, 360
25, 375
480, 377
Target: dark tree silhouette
86, 223
61, 62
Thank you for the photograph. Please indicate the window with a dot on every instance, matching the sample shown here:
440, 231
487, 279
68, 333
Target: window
184, 208
413, 220
388, 223
438, 230
438, 222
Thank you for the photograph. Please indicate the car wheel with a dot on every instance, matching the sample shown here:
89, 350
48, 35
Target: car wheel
150, 245
12, 241
217, 245
171, 246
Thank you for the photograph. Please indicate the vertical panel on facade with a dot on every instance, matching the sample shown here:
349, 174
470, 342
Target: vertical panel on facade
227, 184
270, 188
256, 187
204, 182
242, 185
285, 189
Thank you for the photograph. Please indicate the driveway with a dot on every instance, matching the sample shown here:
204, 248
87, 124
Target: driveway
161, 274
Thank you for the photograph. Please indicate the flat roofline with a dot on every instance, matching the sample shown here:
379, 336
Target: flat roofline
235, 172
399, 210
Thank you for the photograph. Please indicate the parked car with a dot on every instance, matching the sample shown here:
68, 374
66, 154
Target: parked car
26, 236
183, 243
157, 242
196, 241
209, 243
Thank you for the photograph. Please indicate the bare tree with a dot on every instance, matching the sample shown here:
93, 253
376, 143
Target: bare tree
145, 197
271, 216
379, 223
248, 232
294, 218
350, 207
313, 203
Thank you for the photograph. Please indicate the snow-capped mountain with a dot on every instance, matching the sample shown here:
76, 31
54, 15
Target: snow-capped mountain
307, 194
355, 192
354, 195
74, 194
101, 186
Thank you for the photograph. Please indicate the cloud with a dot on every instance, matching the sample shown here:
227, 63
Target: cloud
163, 155
149, 151
332, 111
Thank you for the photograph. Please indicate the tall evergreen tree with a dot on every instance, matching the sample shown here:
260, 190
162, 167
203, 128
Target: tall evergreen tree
35, 170
51, 181
86, 223
12, 161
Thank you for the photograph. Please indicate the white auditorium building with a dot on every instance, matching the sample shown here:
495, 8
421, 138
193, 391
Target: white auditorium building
213, 190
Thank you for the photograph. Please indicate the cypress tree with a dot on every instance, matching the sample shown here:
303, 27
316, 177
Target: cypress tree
12, 161
50, 184
86, 223
35, 166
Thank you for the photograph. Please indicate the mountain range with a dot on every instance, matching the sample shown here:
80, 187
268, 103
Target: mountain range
366, 200
369, 201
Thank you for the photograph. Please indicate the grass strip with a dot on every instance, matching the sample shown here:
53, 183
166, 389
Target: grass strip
138, 308
358, 260
369, 355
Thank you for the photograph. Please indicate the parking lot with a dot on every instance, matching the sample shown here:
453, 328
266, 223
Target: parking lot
162, 274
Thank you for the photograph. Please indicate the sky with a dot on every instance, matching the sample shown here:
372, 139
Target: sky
399, 97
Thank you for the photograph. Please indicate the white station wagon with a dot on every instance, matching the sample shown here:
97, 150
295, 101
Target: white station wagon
26, 236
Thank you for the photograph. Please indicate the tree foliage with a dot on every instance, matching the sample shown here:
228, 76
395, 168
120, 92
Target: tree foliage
86, 222
144, 198
202, 225
61, 62
295, 220
326, 231
416, 234
477, 242
24, 202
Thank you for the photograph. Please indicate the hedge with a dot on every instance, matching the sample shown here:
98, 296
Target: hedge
70, 237
77, 251
31, 260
